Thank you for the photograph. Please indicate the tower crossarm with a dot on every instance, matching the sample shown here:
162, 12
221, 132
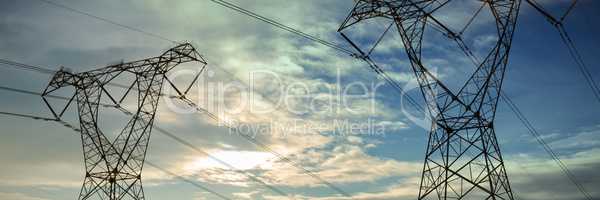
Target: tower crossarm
182, 53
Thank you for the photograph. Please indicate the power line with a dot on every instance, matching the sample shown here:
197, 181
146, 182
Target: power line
455, 116
190, 145
566, 39
232, 6
163, 131
25, 66
472, 19
26, 116
382, 73
281, 26
29, 92
254, 15
188, 180
579, 60
573, 3
546, 147
267, 148
280, 156
108, 21
190, 103
38, 69
159, 129
211, 115
72, 127
457, 37
520, 115
574, 53
372, 65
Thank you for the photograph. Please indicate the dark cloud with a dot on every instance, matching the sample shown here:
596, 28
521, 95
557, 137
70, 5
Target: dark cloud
535, 185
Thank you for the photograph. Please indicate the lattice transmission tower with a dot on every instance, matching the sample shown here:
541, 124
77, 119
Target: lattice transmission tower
114, 167
463, 159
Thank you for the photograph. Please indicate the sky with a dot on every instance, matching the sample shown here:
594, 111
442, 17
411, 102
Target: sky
295, 84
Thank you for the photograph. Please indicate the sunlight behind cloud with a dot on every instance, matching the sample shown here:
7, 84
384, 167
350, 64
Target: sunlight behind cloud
242, 160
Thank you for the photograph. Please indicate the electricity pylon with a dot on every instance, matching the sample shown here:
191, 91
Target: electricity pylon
114, 168
463, 159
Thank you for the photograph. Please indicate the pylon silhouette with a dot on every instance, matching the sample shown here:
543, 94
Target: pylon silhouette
463, 159
114, 167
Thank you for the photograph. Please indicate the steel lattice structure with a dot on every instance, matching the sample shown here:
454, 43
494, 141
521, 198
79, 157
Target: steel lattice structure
114, 168
463, 159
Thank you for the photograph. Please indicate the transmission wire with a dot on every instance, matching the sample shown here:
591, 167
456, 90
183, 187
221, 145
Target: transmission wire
566, 39
251, 14
223, 3
77, 130
159, 129
163, 131
523, 120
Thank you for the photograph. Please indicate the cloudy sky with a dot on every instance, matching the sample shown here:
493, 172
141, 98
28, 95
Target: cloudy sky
43, 160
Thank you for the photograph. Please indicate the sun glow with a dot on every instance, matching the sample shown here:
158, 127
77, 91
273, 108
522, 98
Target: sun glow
240, 160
